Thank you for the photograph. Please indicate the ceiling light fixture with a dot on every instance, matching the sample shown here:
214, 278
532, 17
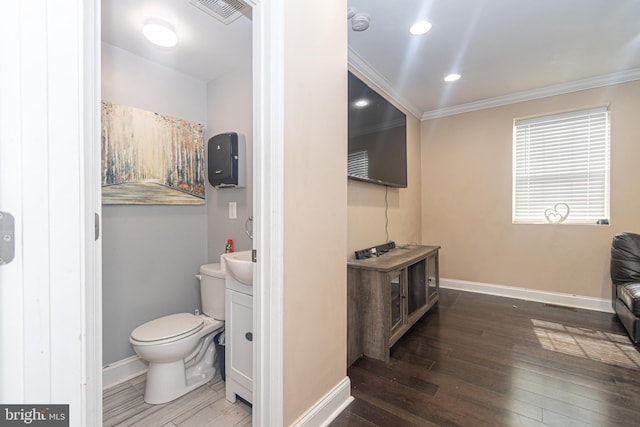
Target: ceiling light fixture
420, 27
160, 32
452, 77
360, 22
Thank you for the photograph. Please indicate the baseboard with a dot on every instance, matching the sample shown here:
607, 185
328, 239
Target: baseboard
568, 300
327, 408
122, 370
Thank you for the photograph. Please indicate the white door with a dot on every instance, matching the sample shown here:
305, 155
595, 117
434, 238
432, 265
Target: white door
49, 328
11, 295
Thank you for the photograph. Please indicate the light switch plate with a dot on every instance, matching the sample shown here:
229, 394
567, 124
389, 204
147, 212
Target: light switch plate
233, 213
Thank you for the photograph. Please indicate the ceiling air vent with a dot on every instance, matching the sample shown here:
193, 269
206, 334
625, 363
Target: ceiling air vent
225, 11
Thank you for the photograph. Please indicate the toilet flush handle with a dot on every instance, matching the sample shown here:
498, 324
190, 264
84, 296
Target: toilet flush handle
199, 276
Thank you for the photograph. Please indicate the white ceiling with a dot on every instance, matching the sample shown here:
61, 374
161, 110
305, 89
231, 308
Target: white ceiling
500, 47
505, 50
206, 48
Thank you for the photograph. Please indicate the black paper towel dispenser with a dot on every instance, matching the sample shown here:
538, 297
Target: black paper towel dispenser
226, 160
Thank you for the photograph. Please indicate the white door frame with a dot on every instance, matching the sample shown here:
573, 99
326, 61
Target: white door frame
268, 186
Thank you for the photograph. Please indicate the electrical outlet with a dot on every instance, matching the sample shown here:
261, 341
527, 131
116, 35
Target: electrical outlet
233, 213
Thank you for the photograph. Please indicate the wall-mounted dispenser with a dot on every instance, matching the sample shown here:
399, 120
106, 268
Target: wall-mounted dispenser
227, 160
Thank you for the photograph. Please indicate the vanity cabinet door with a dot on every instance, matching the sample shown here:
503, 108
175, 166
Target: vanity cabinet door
239, 335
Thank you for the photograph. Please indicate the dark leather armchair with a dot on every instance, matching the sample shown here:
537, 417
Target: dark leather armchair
625, 278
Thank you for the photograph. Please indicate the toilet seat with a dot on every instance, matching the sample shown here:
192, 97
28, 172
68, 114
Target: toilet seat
168, 328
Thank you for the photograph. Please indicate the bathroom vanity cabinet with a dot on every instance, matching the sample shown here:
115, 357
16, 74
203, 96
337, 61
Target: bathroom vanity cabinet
386, 295
239, 345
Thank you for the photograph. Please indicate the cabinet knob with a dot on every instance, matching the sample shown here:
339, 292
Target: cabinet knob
249, 336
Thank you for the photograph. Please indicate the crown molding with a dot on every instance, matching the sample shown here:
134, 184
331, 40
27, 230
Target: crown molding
356, 62
560, 89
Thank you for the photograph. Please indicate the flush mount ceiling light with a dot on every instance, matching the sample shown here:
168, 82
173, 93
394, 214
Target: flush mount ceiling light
452, 77
360, 22
160, 32
420, 27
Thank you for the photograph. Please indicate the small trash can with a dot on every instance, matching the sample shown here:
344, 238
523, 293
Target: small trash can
220, 345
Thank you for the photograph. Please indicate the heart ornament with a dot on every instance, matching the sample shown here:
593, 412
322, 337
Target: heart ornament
558, 214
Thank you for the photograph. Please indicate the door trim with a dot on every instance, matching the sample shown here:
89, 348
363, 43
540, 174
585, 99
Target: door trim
268, 185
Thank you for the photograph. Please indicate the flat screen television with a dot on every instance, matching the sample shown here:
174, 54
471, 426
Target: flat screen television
377, 137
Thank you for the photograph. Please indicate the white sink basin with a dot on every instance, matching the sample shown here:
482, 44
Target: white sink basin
240, 266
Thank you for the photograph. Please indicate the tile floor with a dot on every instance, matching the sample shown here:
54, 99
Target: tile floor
203, 407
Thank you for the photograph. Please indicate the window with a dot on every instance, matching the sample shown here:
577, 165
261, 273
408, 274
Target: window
561, 168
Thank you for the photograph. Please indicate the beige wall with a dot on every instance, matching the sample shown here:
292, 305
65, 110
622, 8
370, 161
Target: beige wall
315, 201
466, 198
366, 202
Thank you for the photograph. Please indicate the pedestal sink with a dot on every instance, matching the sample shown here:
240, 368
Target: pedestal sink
240, 266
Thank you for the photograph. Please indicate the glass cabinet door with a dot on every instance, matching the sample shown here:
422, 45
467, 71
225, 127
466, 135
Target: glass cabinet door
396, 299
432, 275
416, 286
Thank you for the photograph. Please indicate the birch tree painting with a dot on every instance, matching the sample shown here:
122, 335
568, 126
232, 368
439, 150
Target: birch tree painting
150, 158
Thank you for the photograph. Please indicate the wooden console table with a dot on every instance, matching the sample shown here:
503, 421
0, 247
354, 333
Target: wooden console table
386, 295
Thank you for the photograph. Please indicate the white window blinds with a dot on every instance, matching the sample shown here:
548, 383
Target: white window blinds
561, 168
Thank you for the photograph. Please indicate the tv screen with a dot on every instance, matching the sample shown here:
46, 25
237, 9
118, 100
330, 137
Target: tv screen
377, 137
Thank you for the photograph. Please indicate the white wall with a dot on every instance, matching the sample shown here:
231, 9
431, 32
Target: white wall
151, 254
230, 109
131, 80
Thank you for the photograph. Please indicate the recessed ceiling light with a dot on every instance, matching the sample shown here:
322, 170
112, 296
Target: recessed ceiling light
420, 28
160, 32
452, 77
361, 103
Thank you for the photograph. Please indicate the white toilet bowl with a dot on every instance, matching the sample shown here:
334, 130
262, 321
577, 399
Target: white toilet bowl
180, 352
179, 347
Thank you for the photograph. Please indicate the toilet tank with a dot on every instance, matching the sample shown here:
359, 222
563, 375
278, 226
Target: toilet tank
212, 290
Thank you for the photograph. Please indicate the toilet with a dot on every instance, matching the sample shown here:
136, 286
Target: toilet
179, 348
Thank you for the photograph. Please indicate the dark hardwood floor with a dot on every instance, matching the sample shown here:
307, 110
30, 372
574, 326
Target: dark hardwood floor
480, 360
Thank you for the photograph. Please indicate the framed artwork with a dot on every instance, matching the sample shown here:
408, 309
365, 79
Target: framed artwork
149, 158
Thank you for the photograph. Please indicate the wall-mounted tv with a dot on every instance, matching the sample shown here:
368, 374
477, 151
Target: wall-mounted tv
377, 137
